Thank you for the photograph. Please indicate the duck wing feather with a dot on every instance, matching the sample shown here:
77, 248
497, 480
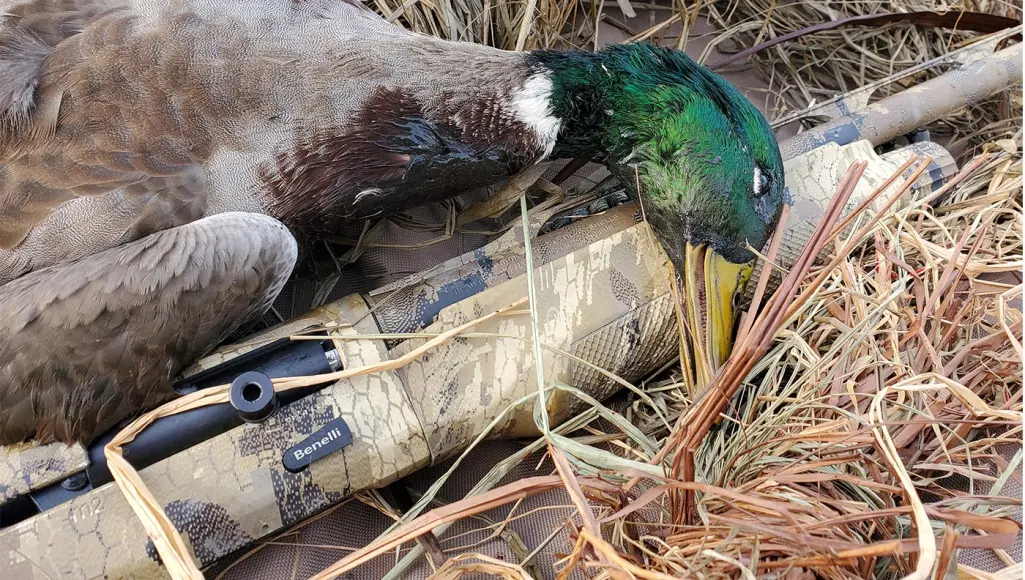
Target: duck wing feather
88, 342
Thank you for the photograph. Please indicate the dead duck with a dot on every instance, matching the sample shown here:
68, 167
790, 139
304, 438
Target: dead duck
161, 161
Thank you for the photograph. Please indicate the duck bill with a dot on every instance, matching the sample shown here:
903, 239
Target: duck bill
711, 286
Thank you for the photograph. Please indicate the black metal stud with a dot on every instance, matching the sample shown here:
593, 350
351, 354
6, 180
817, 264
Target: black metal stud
253, 396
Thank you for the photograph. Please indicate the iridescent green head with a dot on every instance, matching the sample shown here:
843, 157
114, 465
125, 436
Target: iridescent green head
708, 163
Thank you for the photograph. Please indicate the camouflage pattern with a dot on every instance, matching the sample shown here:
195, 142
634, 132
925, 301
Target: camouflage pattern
24, 468
411, 304
608, 304
903, 112
406, 305
231, 490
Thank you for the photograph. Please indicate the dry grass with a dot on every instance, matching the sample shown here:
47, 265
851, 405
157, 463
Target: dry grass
497, 23
885, 369
820, 66
901, 370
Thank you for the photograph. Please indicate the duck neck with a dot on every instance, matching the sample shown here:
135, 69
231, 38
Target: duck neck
582, 97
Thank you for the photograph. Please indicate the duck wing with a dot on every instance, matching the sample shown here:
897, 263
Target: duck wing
116, 116
87, 343
119, 118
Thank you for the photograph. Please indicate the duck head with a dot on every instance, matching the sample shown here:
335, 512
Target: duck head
703, 160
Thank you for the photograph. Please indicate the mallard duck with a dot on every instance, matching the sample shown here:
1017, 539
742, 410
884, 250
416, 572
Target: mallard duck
162, 162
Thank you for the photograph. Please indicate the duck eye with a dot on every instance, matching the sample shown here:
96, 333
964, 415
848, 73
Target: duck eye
761, 182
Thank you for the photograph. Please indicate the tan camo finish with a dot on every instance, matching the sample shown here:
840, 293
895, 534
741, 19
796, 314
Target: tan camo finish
28, 467
814, 163
903, 112
231, 490
406, 303
607, 303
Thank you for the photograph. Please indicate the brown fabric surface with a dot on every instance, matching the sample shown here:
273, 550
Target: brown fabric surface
308, 548
988, 560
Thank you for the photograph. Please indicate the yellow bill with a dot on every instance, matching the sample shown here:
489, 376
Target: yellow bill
712, 285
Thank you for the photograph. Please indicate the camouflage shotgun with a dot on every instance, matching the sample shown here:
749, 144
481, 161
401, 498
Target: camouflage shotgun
226, 492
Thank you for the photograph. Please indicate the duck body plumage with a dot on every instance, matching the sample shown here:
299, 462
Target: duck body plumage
132, 117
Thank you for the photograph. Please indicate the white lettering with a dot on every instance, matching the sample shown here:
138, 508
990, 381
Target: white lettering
324, 441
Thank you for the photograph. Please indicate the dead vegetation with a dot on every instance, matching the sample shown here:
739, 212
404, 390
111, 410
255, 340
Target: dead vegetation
868, 380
